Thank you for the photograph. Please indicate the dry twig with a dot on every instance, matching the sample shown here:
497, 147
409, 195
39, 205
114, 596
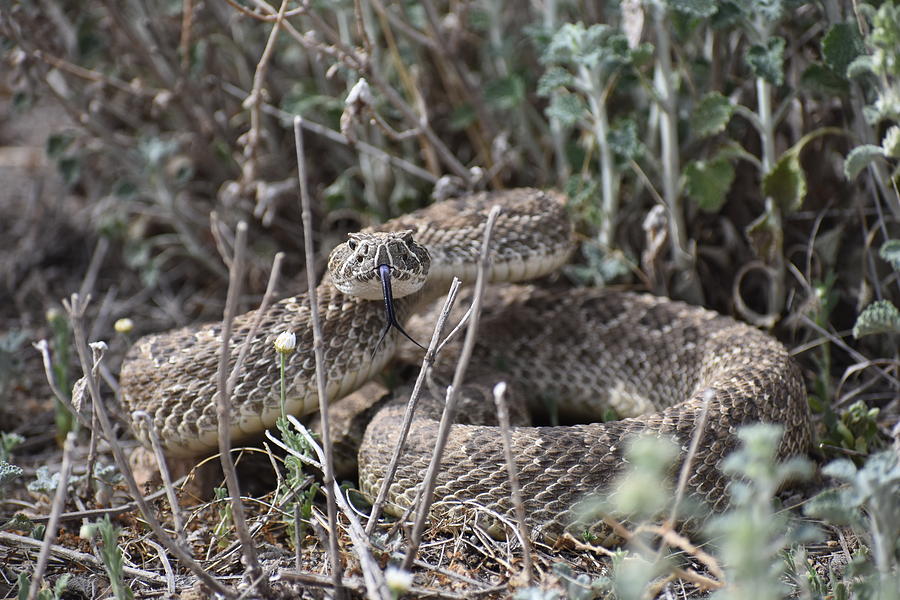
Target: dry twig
411, 407
319, 351
223, 404
514, 488
427, 494
76, 308
59, 501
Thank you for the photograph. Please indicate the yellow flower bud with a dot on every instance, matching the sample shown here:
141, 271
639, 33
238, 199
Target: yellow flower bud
124, 326
285, 342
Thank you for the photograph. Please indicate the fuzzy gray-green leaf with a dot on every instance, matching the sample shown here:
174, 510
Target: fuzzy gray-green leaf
8, 472
765, 61
840, 47
568, 108
552, 79
694, 8
890, 251
711, 115
707, 182
879, 317
859, 158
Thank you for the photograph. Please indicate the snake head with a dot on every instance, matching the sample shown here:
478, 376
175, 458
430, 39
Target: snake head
354, 265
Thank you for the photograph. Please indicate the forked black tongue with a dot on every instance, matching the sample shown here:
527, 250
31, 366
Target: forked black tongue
384, 273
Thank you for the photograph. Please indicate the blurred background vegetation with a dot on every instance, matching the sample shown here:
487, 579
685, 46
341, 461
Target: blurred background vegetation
740, 155
737, 154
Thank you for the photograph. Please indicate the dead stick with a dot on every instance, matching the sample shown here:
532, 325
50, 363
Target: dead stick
319, 351
76, 309
223, 404
515, 491
430, 482
411, 407
59, 501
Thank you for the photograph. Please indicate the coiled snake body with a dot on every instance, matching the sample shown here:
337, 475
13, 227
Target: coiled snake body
650, 359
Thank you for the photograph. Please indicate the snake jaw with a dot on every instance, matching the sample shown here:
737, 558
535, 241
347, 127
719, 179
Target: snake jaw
384, 274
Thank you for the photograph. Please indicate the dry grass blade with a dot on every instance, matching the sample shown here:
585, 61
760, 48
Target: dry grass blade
319, 352
430, 481
699, 428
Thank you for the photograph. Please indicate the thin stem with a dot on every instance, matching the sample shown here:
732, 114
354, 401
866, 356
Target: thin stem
411, 407
59, 501
223, 404
669, 140
76, 309
452, 394
515, 491
155, 443
608, 178
282, 360
319, 351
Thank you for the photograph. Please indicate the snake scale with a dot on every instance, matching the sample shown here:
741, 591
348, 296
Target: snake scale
649, 359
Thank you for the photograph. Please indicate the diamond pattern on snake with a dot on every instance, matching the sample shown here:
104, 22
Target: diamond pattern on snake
650, 359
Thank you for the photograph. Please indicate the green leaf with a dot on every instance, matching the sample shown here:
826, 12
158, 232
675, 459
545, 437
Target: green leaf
694, 8
707, 182
505, 93
765, 61
462, 116
624, 141
553, 78
568, 108
24, 586
831, 505
57, 143
861, 65
786, 182
879, 317
840, 47
890, 251
8, 472
859, 158
598, 47
711, 115
44, 482
821, 80
890, 143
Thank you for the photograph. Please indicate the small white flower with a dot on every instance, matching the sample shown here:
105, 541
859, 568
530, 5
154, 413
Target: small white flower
124, 326
285, 342
398, 580
87, 531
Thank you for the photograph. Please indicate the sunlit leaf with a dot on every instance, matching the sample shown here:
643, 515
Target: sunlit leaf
707, 182
859, 158
711, 115
765, 61
786, 182
840, 46
879, 317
